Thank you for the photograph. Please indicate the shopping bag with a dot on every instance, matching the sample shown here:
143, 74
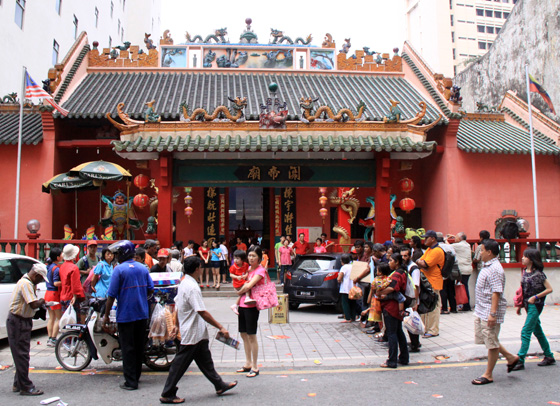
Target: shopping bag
518, 298
355, 293
87, 283
375, 310
265, 294
69, 317
461, 294
413, 322
158, 325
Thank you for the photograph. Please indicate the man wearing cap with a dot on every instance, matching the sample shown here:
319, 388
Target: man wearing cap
89, 261
23, 304
71, 290
162, 262
431, 263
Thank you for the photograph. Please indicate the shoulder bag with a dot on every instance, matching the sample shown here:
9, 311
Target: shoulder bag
265, 294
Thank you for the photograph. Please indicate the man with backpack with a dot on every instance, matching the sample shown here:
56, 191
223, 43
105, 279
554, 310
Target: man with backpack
448, 303
88, 262
431, 263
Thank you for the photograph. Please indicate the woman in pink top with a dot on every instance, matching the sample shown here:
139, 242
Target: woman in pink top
286, 254
249, 314
319, 247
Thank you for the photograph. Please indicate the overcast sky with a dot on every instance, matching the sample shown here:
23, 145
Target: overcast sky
377, 24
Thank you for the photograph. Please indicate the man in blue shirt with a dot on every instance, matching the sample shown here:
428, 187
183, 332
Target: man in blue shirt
130, 285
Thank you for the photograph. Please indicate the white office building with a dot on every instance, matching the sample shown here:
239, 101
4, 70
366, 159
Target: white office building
450, 33
38, 34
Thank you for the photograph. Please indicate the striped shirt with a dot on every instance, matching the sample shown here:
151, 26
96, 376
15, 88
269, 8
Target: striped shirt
23, 294
491, 279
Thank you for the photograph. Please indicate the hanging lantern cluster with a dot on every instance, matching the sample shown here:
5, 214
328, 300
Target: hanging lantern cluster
141, 181
323, 201
188, 201
407, 204
141, 200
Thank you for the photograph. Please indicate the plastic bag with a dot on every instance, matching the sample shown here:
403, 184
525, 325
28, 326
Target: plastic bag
355, 293
69, 317
413, 322
158, 325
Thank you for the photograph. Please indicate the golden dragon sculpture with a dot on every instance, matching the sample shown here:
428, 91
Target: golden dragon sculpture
347, 202
238, 105
307, 104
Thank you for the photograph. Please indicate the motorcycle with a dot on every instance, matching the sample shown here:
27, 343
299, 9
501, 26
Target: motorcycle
81, 343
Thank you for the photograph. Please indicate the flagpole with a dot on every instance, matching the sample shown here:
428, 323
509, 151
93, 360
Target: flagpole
20, 137
535, 203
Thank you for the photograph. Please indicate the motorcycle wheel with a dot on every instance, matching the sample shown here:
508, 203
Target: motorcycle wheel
72, 353
159, 358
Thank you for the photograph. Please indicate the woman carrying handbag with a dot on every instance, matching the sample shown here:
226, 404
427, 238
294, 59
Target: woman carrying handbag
248, 317
535, 288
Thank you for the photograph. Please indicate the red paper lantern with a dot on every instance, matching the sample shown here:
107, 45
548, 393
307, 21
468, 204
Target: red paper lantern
141, 181
323, 212
407, 204
406, 185
323, 200
140, 200
188, 211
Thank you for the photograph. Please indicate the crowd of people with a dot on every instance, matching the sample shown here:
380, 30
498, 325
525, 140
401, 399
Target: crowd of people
420, 276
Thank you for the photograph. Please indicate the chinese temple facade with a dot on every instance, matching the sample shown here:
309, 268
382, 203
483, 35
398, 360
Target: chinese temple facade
249, 139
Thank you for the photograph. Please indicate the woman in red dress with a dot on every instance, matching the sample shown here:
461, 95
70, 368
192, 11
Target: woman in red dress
204, 253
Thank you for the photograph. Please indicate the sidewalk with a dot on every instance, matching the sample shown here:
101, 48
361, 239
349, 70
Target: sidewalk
315, 338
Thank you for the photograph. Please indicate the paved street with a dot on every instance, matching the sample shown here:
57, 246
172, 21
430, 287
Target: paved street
329, 354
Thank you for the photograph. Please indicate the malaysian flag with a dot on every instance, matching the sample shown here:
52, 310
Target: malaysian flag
33, 90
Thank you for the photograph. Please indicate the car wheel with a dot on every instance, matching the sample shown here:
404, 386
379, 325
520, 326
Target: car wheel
293, 305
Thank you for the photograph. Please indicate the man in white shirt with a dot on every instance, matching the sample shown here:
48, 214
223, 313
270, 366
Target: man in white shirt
189, 250
175, 263
192, 317
225, 260
464, 260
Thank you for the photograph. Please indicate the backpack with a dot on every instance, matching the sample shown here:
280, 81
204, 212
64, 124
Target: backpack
455, 274
428, 297
410, 291
448, 264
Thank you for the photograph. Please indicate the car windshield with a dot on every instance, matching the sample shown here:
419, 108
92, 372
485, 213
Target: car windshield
315, 264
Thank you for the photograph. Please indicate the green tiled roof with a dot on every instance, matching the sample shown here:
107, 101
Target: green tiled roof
499, 137
276, 142
71, 73
100, 93
32, 128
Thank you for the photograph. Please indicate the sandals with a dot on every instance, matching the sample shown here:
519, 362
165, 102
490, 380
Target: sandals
385, 365
253, 373
173, 400
513, 365
481, 381
231, 385
243, 370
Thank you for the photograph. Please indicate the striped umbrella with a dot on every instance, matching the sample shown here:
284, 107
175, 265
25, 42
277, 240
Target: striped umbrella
101, 170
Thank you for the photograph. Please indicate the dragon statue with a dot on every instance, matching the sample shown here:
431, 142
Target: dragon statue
343, 233
347, 203
395, 113
484, 108
346, 46
219, 36
307, 104
208, 59
238, 105
152, 225
232, 61
278, 37
10, 98
149, 42
398, 227
123, 47
150, 116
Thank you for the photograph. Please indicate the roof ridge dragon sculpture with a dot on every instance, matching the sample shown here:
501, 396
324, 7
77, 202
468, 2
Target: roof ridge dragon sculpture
307, 104
238, 105
278, 37
219, 36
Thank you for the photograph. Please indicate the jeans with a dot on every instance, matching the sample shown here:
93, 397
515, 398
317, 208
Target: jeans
448, 295
533, 326
348, 307
283, 270
465, 281
397, 340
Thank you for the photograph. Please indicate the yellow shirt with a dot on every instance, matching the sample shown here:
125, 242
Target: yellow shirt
435, 259
23, 294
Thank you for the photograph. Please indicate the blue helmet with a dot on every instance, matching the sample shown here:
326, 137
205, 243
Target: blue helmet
124, 250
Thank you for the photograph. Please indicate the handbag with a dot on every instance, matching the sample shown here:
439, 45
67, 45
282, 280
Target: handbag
461, 294
265, 294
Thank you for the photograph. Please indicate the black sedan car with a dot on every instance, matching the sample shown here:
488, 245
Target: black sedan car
313, 279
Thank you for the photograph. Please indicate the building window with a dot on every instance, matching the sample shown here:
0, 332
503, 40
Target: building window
118, 25
20, 10
453, 38
480, 28
451, 20
112, 8
479, 12
454, 55
498, 14
488, 13
497, 30
481, 45
96, 17
58, 6
490, 30
506, 15
55, 53
110, 41
75, 27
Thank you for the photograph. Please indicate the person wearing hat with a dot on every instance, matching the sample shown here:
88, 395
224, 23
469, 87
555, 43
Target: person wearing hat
162, 264
71, 290
23, 305
88, 262
431, 263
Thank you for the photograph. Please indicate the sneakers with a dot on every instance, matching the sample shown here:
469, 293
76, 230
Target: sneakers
547, 361
234, 308
51, 342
